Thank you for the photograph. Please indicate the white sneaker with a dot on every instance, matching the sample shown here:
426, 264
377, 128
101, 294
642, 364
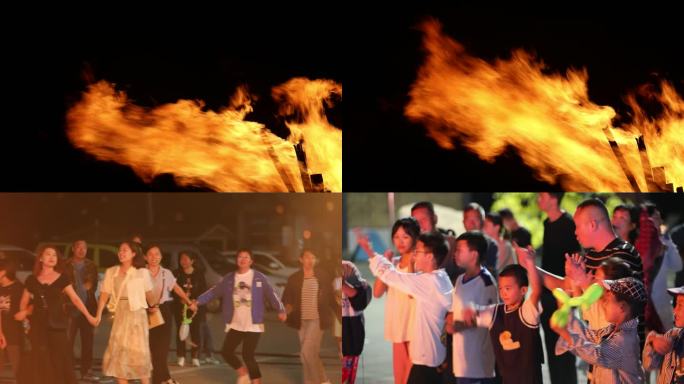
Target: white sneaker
211, 360
181, 361
243, 379
195, 362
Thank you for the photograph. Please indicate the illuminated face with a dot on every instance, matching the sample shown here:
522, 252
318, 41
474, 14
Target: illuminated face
622, 222
423, 258
153, 256
244, 260
80, 249
583, 228
464, 257
308, 260
424, 219
472, 220
490, 229
125, 253
545, 201
185, 261
679, 311
510, 292
402, 241
611, 307
49, 257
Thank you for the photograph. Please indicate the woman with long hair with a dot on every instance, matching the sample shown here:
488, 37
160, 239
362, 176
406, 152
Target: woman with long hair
126, 291
399, 306
192, 282
47, 287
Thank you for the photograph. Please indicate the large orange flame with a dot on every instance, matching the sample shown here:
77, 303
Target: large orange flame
198, 146
547, 117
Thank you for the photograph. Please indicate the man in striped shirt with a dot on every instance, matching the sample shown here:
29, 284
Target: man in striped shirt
595, 233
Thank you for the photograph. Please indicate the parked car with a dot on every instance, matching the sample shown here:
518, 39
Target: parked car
23, 259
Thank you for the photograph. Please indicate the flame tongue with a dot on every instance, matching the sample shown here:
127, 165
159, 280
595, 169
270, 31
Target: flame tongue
321, 140
547, 118
218, 149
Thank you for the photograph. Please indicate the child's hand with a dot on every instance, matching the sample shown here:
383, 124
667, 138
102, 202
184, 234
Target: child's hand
389, 254
469, 316
363, 241
661, 344
526, 256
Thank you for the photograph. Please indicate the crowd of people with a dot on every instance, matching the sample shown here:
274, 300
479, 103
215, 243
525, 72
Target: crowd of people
41, 317
470, 308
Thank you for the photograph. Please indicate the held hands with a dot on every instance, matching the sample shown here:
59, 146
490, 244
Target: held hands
193, 306
282, 316
20, 315
469, 316
94, 321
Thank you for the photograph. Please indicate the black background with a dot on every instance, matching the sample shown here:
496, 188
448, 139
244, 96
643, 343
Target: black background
159, 56
621, 48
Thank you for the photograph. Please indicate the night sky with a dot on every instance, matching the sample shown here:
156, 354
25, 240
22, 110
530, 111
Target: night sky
381, 145
195, 53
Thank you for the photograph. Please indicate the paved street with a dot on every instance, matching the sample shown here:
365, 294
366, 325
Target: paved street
277, 355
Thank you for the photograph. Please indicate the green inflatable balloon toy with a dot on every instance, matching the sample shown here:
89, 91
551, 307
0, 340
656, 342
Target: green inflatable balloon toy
561, 316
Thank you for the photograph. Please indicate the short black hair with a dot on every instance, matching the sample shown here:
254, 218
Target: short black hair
506, 213
424, 204
616, 268
476, 242
409, 225
557, 195
596, 203
517, 272
632, 210
436, 243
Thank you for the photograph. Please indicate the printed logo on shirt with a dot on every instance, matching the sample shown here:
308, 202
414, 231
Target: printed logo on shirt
242, 295
507, 343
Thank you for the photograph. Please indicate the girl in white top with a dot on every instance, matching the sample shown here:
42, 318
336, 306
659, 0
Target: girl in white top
163, 282
399, 307
129, 286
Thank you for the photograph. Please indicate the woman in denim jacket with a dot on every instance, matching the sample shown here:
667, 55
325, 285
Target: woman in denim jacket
245, 292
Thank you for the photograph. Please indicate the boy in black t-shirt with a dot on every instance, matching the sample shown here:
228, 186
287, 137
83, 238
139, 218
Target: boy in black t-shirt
514, 324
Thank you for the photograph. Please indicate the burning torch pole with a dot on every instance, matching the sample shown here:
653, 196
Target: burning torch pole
276, 162
621, 159
646, 165
303, 169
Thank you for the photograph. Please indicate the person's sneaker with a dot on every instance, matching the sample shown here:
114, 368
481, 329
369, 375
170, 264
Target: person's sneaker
211, 360
195, 362
181, 361
90, 377
244, 379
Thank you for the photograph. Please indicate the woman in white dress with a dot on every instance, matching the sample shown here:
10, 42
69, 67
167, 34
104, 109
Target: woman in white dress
128, 289
399, 306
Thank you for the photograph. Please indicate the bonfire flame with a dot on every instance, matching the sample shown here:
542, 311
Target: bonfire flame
547, 117
217, 149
